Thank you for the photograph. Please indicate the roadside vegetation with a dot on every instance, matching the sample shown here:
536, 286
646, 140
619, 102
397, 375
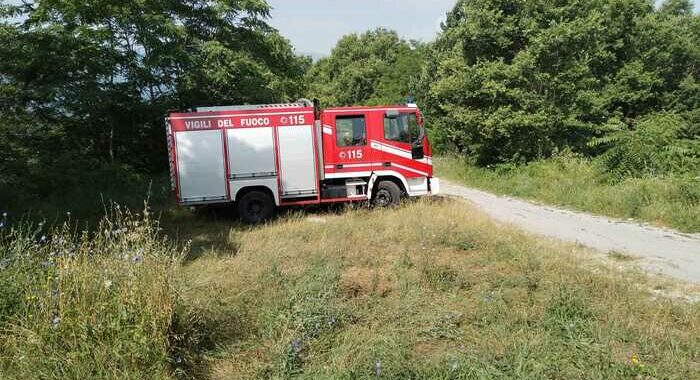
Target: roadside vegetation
574, 181
87, 305
358, 293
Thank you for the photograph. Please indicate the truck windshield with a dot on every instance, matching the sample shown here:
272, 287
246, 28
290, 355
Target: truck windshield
403, 128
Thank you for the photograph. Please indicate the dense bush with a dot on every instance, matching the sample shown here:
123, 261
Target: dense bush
660, 144
86, 305
514, 81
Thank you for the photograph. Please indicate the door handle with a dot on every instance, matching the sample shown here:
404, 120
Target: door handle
387, 164
339, 166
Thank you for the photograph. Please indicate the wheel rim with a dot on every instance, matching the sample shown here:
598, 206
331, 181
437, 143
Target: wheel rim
255, 209
383, 198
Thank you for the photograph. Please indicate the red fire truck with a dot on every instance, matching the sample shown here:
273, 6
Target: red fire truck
264, 156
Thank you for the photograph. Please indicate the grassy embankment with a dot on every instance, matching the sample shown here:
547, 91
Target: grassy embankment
580, 184
432, 290
86, 305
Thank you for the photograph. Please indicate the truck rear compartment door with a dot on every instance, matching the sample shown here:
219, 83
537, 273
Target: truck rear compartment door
200, 166
297, 161
251, 153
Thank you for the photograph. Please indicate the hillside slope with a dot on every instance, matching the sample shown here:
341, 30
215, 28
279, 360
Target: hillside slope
431, 290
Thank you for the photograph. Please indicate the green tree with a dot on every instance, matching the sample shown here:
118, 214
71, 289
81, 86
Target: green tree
677, 7
376, 67
512, 81
90, 81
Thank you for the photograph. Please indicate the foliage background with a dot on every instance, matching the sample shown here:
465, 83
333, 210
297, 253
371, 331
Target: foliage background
84, 86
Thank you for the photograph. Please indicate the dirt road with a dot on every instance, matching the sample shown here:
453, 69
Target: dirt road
657, 250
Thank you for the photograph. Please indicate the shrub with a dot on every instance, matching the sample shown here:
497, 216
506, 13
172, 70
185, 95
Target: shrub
660, 144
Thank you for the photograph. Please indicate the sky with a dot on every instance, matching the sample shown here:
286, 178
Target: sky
314, 26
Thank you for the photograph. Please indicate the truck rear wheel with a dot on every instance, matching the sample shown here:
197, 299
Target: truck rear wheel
388, 194
256, 207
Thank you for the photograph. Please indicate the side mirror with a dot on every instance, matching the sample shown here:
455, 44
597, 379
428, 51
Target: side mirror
392, 114
417, 152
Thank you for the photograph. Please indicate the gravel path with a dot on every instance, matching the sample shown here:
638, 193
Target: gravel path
658, 250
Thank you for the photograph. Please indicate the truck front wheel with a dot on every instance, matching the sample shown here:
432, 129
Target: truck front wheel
256, 207
388, 194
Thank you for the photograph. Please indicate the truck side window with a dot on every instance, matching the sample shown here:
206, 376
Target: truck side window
401, 129
350, 131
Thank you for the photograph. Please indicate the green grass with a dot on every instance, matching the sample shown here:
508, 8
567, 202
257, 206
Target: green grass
432, 290
580, 184
429, 290
87, 306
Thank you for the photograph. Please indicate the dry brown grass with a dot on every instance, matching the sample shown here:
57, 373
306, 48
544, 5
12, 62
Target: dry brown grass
432, 289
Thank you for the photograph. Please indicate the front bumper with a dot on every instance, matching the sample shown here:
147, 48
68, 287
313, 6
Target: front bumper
434, 186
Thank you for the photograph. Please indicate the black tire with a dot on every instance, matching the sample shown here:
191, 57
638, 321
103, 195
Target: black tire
256, 207
388, 194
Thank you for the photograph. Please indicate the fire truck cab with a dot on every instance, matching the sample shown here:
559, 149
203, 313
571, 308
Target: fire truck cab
264, 156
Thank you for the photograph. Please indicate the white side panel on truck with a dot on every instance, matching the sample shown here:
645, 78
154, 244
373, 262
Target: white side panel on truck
297, 164
251, 158
200, 166
251, 153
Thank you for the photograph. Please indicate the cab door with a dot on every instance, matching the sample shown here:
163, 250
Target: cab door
346, 145
402, 145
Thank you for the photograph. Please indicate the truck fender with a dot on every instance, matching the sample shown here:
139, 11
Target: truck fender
268, 185
391, 173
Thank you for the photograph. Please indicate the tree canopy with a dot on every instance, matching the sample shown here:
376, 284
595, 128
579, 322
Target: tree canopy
512, 81
91, 81
376, 67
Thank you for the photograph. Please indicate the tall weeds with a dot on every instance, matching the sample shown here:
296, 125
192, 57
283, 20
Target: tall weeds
86, 305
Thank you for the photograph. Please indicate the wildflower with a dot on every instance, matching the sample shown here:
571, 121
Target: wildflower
378, 368
54, 293
43, 238
68, 213
178, 360
108, 284
2, 225
55, 322
4, 214
137, 259
296, 346
635, 359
